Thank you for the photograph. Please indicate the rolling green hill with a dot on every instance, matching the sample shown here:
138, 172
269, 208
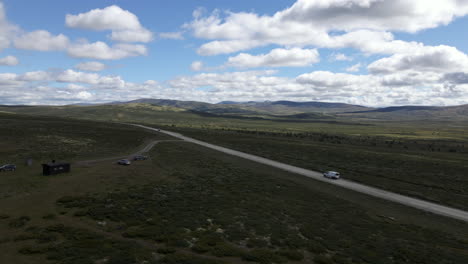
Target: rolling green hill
454, 113
268, 110
259, 108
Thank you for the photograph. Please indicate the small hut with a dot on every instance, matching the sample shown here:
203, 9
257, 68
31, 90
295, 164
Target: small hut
53, 167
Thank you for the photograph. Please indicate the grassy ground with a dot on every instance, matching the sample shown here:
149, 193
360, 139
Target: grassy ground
188, 204
144, 113
47, 138
44, 139
434, 170
424, 159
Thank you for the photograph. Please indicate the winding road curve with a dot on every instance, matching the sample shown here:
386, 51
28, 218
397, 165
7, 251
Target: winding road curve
386, 195
145, 149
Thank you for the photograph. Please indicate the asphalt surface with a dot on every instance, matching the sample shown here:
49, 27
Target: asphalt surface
386, 195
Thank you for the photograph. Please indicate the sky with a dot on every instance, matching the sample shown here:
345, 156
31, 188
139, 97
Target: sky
368, 52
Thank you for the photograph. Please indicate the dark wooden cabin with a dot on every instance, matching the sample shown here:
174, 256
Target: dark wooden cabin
52, 168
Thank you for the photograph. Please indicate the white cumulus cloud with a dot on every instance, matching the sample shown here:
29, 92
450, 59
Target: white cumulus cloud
366, 25
436, 59
139, 35
171, 35
295, 57
9, 61
340, 57
109, 18
125, 25
354, 68
91, 66
196, 66
41, 40
101, 51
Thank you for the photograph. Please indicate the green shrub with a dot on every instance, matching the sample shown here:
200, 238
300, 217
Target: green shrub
180, 258
226, 250
257, 243
291, 254
29, 250
316, 247
263, 256
201, 248
166, 250
4, 216
322, 259
80, 213
182, 243
75, 201
26, 236
19, 222
44, 237
49, 216
58, 228
121, 258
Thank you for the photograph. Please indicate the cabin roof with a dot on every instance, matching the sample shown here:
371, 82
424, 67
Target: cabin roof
50, 164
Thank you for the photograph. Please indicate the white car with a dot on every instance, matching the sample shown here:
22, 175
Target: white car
331, 175
124, 162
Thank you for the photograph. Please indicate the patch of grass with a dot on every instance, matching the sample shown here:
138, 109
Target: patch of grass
19, 222
425, 169
186, 197
213, 199
293, 255
49, 216
166, 250
263, 256
78, 246
4, 216
181, 258
46, 138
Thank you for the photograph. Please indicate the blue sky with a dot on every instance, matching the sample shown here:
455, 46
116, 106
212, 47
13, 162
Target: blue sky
367, 52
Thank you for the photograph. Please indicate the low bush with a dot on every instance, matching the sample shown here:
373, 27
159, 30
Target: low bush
291, 254
4, 216
323, 259
181, 258
263, 256
19, 222
31, 250
166, 250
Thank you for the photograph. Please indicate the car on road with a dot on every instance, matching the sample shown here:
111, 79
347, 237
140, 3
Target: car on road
331, 175
125, 162
8, 167
140, 157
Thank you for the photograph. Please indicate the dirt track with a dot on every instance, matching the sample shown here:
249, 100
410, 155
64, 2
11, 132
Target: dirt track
145, 149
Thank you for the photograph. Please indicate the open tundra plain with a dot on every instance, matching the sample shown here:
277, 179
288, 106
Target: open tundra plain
191, 204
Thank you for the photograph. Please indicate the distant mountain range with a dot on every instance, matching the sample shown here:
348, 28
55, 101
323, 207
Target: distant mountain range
267, 107
413, 113
276, 110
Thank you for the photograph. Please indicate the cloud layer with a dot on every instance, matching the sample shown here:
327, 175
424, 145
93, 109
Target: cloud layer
9, 61
309, 23
367, 63
125, 26
91, 66
295, 57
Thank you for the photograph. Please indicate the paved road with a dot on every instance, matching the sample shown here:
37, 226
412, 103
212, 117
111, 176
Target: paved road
394, 197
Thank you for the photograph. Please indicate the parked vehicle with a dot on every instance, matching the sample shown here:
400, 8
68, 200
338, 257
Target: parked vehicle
8, 167
331, 175
140, 157
124, 162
